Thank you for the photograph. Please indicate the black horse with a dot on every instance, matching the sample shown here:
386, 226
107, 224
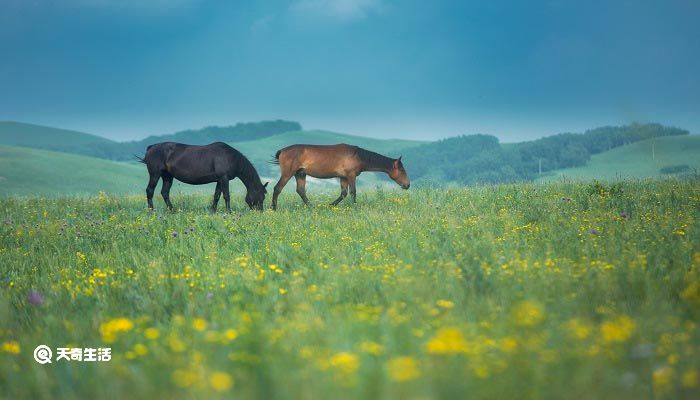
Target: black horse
197, 165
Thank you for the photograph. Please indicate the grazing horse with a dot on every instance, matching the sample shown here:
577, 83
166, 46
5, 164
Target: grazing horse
197, 165
334, 161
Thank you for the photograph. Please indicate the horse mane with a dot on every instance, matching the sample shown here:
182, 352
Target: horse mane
247, 172
374, 160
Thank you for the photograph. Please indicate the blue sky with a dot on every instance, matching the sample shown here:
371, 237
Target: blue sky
414, 69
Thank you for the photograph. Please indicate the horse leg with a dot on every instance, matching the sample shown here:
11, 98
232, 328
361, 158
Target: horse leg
343, 191
227, 195
165, 190
301, 186
151, 188
217, 195
352, 180
278, 189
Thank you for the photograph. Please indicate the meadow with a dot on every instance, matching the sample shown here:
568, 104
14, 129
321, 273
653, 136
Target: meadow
561, 290
643, 159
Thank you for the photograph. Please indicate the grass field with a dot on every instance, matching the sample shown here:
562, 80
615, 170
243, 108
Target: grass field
515, 291
636, 160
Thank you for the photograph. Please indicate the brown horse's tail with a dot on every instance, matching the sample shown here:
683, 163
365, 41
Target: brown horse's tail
276, 160
139, 159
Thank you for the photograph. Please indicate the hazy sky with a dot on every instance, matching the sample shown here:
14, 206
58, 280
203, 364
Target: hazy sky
386, 68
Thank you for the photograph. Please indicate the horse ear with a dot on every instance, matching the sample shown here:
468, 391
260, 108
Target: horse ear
400, 158
265, 185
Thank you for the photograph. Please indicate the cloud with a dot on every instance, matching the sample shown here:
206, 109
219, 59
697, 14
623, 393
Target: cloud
345, 10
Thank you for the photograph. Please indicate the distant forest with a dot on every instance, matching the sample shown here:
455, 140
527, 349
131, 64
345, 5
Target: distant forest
482, 159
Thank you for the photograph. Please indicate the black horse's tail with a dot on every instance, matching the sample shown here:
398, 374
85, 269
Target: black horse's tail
143, 160
276, 160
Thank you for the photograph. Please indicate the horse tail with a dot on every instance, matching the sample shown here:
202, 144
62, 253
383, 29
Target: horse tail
276, 160
143, 159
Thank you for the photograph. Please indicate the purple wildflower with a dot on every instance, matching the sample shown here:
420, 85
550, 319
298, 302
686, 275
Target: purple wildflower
173, 234
210, 296
594, 231
35, 298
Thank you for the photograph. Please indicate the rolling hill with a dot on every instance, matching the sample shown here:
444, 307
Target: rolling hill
35, 172
32, 172
635, 160
38, 136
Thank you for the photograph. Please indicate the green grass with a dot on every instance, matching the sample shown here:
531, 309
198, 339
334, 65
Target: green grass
563, 290
636, 161
21, 134
32, 172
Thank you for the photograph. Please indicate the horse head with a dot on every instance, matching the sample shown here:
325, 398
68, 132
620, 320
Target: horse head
398, 174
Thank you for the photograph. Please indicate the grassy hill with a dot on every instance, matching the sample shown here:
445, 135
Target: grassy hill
34, 172
37, 136
635, 160
25, 171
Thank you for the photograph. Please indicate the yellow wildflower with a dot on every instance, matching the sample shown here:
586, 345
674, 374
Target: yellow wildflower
528, 313
508, 344
403, 369
140, 349
220, 381
183, 378
617, 330
692, 292
109, 329
662, 377
690, 378
446, 304
447, 341
151, 333
176, 344
345, 362
199, 324
230, 335
11, 346
371, 348
576, 329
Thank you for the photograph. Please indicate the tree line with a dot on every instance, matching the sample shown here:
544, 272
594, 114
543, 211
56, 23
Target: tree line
470, 159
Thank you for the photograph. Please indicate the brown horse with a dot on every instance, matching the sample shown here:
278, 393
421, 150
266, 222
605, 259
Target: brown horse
334, 161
